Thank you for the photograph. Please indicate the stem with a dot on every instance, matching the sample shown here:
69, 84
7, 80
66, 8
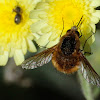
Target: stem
96, 92
86, 88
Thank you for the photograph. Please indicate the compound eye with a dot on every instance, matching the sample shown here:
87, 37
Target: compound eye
77, 33
69, 30
17, 19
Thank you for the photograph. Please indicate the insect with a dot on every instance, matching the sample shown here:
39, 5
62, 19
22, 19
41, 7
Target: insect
18, 17
66, 57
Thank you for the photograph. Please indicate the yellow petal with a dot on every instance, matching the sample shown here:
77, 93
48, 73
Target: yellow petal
95, 3
94, 19
46, 29
54, 36
93, 26
36, 36
96, 13
2, 1
52, 43
24, 46
43, 40
31, 46
4, 58
12, 50
42, 5
18, 56
36, 1
86, 29
49, 0
1, 50
37, 14
37, 26
91, 39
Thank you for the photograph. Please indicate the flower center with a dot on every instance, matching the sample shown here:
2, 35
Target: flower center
67, 11
10, 19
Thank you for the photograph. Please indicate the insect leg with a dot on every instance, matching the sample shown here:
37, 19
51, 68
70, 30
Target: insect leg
81, 34
87, 40
88, 53
42, 46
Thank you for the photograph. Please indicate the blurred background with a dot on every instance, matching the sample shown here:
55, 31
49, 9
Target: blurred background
46, 82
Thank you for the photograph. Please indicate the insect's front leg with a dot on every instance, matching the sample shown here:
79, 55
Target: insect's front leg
89, 53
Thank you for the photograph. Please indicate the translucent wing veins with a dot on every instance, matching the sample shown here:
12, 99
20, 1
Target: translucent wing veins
39, 59
89, 73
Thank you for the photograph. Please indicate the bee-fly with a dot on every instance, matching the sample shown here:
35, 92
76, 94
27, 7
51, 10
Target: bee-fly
66, 56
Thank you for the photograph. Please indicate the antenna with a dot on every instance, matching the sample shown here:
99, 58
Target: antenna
80, 22
87, 40
63, 26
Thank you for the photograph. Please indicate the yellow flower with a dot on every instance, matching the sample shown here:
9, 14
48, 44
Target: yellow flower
15, 35
49, 15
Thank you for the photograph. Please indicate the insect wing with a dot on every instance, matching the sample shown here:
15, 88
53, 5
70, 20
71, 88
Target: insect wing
89, 73
39, 59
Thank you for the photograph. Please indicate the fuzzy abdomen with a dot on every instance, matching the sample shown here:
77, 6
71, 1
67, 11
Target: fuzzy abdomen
66, 64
